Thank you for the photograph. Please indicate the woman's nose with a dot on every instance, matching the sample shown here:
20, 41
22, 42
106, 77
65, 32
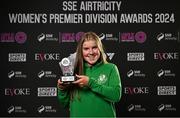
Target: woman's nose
91, 51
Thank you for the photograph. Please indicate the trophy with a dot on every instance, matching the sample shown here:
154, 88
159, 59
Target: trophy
67, 68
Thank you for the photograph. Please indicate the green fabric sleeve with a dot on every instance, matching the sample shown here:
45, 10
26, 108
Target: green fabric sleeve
112, 91
64, 97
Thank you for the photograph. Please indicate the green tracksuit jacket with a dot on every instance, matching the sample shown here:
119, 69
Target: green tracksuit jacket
98, 98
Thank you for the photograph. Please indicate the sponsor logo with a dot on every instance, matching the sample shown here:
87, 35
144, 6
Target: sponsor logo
135, 56
166, 107
139, 37
16, 74
19, 37
70, 37
16, 109
136, 90
165, 73
17, 57
166, 56
168, 36
47, 56
166, 90
135, 73
102, 36
47, 74
110, 55
17, 91
47, 109
108, 37
46, 37
11, 74
10, 109
47, 91
136, 107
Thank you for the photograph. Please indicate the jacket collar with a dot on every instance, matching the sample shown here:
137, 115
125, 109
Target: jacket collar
97, 64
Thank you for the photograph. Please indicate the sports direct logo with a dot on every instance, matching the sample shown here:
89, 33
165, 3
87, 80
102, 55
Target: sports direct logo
17, 57
135, 56
47, 91
166, 90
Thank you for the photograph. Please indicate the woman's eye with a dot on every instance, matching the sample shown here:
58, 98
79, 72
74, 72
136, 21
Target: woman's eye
85, 48
95, 47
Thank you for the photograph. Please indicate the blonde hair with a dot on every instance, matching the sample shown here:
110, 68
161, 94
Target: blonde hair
79, 61
79, 64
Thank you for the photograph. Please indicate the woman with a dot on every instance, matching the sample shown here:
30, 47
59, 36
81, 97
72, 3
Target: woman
98, 84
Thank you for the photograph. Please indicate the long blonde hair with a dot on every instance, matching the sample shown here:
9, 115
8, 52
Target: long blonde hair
79, 61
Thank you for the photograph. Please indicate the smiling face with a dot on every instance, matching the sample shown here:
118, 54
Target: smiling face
90, 52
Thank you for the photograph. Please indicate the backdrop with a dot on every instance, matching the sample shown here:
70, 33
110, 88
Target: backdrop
140, 37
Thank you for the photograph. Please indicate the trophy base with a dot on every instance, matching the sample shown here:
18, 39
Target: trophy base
68, 79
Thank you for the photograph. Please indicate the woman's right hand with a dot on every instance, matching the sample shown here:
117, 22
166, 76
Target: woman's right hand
60, 85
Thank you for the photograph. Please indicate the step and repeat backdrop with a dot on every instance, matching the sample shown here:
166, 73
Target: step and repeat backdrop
140, 37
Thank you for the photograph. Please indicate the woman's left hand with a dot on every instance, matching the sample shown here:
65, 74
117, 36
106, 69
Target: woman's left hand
82, 80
